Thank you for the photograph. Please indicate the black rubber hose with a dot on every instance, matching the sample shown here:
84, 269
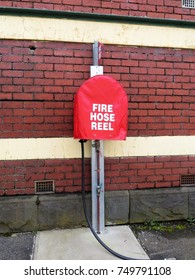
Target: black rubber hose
85, 210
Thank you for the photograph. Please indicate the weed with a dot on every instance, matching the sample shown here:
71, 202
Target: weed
191, 221
162, 226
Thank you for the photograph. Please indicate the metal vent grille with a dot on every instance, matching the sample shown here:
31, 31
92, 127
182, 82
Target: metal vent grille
187, 180
188, 3
46, 186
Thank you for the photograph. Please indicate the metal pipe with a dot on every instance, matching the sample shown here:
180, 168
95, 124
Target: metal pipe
97, 171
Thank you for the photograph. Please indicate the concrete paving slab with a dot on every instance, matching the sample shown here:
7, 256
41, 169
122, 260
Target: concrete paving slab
80, 244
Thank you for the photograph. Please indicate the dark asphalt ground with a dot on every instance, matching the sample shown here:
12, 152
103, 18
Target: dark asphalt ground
173, 240
18, 246
170, 240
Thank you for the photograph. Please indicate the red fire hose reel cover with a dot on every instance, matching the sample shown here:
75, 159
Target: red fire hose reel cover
100, 110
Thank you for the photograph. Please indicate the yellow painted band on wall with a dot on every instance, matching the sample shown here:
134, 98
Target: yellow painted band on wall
65, 148
67, 30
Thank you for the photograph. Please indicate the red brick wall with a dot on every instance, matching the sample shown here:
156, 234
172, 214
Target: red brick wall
144, 8
38, 81
18, 176
147, 172
160, 84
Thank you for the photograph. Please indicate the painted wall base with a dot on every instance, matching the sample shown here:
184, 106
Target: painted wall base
43, 212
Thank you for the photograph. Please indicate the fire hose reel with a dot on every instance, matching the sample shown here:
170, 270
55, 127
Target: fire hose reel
100, 110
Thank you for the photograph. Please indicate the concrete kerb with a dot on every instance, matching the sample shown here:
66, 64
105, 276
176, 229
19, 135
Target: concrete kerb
46, 212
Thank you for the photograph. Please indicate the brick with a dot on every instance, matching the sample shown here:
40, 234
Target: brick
33, 119
156, 85
139, 112
155, 178
139, 84
22, 96
175, 99
12, 58
164, 64
156, 71
154, 165
5, 65
42, 67
146, 172
146, 185
165, 10
12, 88
138, 70
156, 113
24, 81
21, 112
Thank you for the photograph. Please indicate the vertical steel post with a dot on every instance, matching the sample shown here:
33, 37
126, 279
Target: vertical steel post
97, 168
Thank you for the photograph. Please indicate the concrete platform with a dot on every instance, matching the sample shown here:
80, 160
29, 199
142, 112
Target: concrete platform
80, 244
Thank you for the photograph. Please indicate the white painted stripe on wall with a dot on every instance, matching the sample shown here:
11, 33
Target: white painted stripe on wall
151, 146
65, 148
27, 28
39, 148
